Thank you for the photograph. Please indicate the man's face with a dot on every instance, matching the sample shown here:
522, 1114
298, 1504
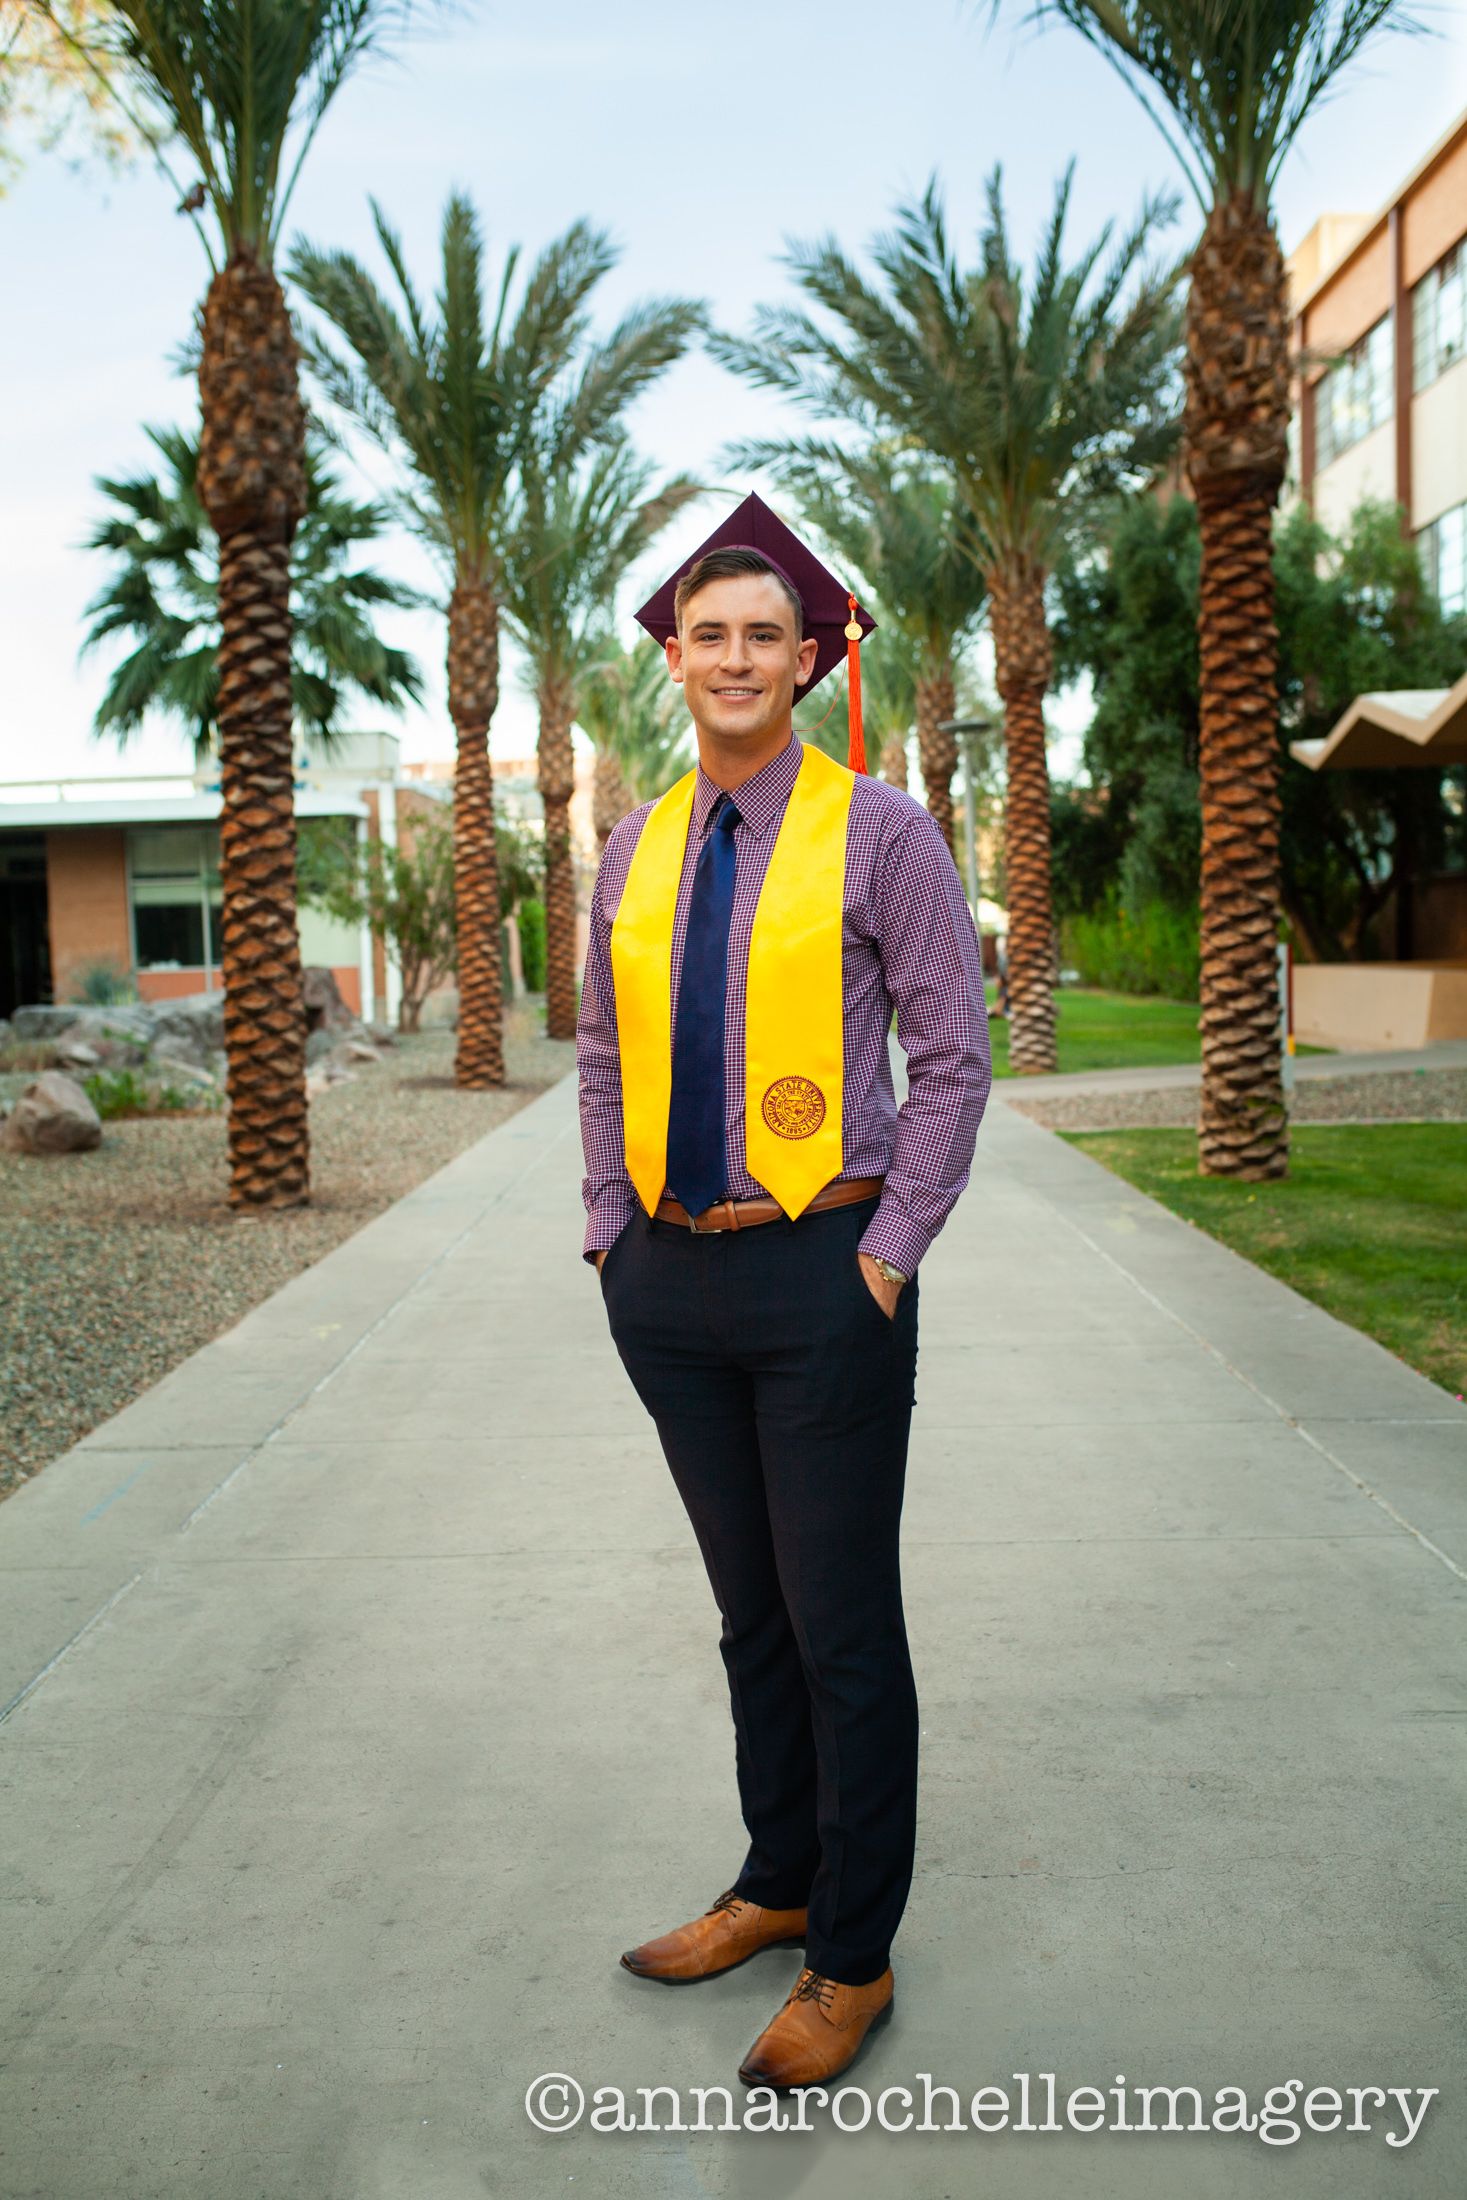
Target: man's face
738, 657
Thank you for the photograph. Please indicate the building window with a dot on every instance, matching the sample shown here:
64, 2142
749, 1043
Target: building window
1354, 398
1439, 309
176, 897
1443, 547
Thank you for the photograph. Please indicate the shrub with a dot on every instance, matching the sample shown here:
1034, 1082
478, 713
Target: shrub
102, 985
1154, 949
114, 1092
532, 944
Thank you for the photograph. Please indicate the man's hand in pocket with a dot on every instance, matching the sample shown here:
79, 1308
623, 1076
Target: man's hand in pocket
882, 1289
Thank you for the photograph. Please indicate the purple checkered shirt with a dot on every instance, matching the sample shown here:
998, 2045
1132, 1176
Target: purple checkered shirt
908, 943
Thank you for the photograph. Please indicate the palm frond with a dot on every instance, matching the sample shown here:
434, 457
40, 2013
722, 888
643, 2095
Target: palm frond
163, 595
244, 85
1020, 392
1229, 83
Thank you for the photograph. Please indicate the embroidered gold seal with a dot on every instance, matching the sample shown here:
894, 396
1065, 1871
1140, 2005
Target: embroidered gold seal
794, 1107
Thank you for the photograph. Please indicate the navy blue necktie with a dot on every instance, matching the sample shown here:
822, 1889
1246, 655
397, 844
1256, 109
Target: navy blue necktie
697, 1144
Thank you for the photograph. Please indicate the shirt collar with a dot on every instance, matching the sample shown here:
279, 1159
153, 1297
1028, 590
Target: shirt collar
760, 800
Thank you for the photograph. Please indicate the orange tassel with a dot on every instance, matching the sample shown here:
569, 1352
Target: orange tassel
856, 752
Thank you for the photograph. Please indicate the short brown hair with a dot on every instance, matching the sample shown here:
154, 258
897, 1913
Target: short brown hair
735, 562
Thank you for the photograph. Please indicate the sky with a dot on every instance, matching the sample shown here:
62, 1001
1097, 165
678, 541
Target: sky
701, 139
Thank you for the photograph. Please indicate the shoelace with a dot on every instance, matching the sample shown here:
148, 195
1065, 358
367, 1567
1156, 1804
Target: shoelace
812, 1987
728, 1901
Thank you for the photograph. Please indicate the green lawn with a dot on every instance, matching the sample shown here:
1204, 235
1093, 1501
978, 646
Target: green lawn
1370, 1223
1113, 1031
1116, 1031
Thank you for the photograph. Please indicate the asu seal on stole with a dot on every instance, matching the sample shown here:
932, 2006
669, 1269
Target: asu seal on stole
794, 1107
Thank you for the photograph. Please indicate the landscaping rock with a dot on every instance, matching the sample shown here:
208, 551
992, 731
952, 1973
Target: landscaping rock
72, 1051
325, 1008
381, 1035
189, 1029
167, 1069
118, 1037
51, 1116
319, 1045
40, 1022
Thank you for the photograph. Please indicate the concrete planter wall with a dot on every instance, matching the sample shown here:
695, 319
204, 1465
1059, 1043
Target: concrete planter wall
1365, 1005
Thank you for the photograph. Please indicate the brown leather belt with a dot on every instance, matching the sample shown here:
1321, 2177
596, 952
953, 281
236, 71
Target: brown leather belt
747, 1214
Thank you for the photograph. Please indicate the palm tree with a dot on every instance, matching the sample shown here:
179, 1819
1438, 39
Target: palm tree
1236, 81
164, 595
633, 714
450, 397
905, 531
584, 514
243, 86
1033, 403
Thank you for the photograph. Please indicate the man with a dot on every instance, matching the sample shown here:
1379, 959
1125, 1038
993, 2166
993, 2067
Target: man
757, 1209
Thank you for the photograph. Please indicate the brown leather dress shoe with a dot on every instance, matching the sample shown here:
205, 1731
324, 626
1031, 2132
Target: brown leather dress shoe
817, 2032
729, 1933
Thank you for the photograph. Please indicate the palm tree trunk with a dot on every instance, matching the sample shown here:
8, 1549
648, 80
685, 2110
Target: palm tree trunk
610, 799
894, 765
1023, 662
557, 782
1237, 430
473, 691
251, 478
938, 751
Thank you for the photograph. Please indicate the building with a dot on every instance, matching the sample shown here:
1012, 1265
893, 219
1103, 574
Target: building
122, 874
1380, 332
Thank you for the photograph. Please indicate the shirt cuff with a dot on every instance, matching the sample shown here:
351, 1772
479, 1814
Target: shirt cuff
893, 1236
606, 1218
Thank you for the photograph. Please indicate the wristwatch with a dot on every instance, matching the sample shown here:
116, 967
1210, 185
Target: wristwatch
892, 1275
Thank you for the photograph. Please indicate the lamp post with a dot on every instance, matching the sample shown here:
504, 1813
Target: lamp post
965, 728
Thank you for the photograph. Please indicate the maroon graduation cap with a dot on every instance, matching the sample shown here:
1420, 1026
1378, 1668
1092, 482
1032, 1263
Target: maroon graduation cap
832, 614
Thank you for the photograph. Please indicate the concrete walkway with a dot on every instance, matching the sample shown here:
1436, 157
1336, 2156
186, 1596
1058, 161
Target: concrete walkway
379, 1707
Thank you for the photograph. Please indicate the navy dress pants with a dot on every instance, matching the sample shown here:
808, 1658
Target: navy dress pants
783, 1398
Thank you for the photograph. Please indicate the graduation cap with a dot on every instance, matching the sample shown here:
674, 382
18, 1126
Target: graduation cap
832, 615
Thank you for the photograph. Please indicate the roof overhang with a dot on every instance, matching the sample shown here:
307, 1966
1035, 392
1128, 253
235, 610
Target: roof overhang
198, 809
1416, 728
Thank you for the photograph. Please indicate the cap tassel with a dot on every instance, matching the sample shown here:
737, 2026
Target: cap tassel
856, 752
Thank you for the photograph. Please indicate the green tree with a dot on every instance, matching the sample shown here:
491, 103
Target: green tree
632, 712
1229, 83
1353, 617
1127, 615
243, 85
584, 512
1035, 395
450, 394
58, 67
164, 598
404, 895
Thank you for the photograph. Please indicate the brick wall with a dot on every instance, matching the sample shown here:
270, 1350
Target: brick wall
86, 881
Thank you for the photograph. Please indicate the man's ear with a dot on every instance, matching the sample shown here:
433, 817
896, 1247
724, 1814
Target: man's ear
674, 649
806, 660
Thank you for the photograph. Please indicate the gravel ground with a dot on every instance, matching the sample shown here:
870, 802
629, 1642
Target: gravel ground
1375, 1096
115, 1265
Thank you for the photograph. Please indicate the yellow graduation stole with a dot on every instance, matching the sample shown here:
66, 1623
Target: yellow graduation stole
794, 1043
